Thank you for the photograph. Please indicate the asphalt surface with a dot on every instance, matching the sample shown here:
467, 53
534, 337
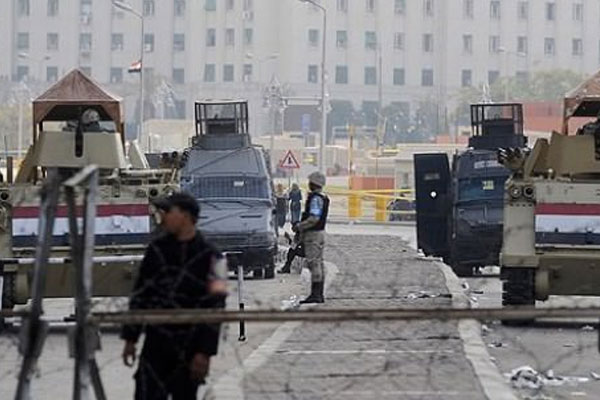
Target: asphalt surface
377, 268
372, 360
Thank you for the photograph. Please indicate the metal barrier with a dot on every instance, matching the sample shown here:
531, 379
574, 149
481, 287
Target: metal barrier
370, 205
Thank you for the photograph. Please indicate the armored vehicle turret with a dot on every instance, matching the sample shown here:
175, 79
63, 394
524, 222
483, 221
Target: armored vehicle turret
459, 206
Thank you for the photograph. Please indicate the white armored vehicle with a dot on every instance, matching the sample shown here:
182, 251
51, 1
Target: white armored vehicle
77, 123
551, 235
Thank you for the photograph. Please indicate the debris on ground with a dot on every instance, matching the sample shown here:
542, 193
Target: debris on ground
426, 295
595, 376
527, 377
291, 303
485, 330
496, 344
588, 328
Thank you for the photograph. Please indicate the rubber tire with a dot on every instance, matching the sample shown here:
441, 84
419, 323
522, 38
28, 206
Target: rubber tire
462, 271
269, 272
8, 293
258, 273
518, 289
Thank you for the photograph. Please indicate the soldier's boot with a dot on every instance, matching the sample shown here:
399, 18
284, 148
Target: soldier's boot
316, 294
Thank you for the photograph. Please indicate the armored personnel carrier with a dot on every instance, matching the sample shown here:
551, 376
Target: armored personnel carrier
552, 210
77, 123
232, 182
459, 206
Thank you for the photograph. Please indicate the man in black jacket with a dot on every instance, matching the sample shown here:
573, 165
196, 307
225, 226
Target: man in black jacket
180, 270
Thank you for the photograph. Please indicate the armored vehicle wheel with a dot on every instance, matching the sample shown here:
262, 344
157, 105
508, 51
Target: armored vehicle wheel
257, 273
8, 296
270, 271
462, 270
518, 289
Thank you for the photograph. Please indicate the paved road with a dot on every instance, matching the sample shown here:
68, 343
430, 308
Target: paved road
376, 360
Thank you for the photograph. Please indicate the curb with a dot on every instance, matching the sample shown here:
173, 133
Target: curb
491, 380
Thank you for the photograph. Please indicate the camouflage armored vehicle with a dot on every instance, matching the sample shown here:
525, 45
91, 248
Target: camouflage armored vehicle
77, 123
231, 179
459, 206
552, 210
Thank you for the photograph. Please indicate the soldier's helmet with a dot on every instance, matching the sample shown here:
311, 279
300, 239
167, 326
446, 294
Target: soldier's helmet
317, 178
90, 116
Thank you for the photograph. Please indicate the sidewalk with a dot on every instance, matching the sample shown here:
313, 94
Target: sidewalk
378, 360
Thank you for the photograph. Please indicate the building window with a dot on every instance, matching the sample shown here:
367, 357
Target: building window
495, 9
341, 74
468, 44
399, 76
313, 37
149, 42
23, 41
522, 45
23, 9
248, 36
116, 42
341, 39
179, 42
313, 74
523, 10
229, 6
549, 46
370, 76
229, 37
85, 41
52, 10
399, 41
428, 9
466, 78
210, 5
493, 77
370, 40
85, 9
149, 8
342, 6
209, 73
248, 5
247, 73
52, 41
494, 44
468, 9
51, 74
179, 76
116, 75
211, 37
370, 6
179, 8
428, 43
400, 7
228, 73
22, 73
550, 11
427, 77
577, 47
578, 11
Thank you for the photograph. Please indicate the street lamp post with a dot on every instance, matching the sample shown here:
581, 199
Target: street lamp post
122, 5
323, 87
508, 53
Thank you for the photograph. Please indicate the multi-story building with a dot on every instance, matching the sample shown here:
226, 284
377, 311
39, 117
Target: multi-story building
416, 49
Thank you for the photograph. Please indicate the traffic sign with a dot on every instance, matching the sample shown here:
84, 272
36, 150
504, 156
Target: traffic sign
289, 161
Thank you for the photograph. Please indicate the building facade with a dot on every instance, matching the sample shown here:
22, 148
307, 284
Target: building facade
397, 51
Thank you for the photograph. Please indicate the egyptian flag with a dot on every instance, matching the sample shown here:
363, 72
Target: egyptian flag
135, 68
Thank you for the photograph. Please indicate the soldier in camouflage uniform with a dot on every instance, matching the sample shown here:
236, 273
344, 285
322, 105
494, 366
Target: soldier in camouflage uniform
312, 232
